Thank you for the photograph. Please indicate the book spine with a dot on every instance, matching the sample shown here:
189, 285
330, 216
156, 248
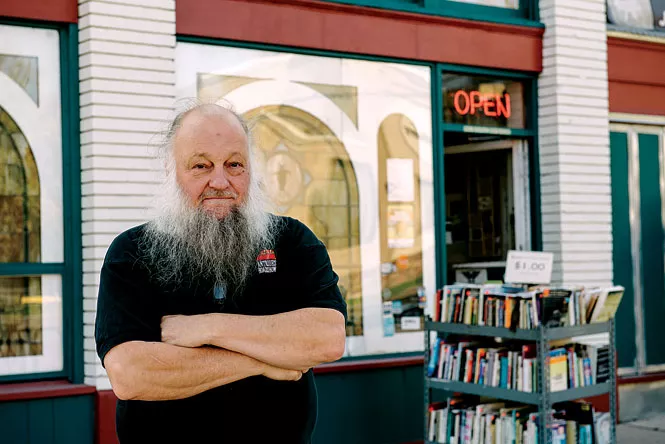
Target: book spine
434, 358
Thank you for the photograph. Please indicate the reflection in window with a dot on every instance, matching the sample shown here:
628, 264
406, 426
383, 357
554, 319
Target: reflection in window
23, 71
20, 316
510, 4
400, 219
310, 177
20, 304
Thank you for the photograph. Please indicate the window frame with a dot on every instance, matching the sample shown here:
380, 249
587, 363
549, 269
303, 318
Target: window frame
529, 135
357, 354
70, 269
526, 15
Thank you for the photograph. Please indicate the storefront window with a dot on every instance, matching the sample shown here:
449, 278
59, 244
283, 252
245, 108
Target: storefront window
640, 14
346, 148
400, 218
510, 4
31, 229
486, 175
310, 177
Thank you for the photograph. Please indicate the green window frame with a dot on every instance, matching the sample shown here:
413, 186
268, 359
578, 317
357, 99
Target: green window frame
526, 15
528, 134
70, 269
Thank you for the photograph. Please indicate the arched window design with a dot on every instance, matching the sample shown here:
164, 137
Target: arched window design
400, 219
20, 316
333, 133
35, 169
310, 177
19, 195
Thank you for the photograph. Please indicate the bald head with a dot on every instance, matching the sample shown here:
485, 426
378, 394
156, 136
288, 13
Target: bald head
210, 146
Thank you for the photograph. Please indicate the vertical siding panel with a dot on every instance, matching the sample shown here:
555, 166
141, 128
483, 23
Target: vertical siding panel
573, 87
127, 82
74, 420
40, 417
14, 425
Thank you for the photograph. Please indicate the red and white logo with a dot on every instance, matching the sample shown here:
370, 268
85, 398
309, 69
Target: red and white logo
266, 261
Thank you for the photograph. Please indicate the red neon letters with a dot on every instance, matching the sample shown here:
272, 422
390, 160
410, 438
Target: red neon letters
492, 105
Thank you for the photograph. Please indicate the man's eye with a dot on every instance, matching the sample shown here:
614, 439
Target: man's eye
235, 165
199, 166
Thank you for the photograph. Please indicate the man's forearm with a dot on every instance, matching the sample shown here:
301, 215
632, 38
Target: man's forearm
152, 371
299, 339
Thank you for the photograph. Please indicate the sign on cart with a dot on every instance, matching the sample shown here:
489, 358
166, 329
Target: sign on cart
529, 267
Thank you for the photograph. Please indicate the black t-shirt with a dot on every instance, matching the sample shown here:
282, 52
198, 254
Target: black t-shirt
295, 274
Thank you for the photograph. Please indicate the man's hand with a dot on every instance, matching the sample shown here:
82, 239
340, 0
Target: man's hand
183, 331
280, 374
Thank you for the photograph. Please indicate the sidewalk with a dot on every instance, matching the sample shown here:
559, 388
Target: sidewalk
643, 431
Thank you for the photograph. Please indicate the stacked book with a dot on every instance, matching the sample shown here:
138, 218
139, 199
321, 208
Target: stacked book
472, 421
521, 307
577, 365
514, 366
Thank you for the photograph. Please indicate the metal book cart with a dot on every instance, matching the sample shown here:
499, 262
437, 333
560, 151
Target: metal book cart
542, 397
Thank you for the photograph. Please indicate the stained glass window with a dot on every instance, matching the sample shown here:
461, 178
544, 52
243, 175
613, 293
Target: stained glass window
31, 204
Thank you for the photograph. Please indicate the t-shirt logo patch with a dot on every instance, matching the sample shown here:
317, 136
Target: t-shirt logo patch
266, 261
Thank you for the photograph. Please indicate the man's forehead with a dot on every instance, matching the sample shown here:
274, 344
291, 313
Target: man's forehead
210, 154
219, 121
204, 133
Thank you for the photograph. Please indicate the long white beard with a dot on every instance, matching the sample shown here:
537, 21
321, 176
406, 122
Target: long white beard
184, 241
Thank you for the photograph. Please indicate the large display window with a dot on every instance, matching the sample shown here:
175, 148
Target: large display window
347, 149
637, 14
31, 202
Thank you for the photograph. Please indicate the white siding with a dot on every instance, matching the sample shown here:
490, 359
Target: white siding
127, 85
574, 142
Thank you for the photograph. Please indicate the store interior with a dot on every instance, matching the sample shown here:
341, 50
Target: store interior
482, 183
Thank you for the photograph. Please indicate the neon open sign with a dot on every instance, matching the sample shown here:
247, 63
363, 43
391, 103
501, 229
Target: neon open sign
491, 105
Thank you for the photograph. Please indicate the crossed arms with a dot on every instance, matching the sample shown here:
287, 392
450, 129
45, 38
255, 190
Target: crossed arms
201, 352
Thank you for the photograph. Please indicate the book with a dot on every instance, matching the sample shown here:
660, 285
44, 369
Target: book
472, 420
434, 358
607, 305
525, 308
558, 369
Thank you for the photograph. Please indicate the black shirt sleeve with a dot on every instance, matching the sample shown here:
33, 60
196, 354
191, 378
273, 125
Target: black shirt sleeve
123, 306
310, 261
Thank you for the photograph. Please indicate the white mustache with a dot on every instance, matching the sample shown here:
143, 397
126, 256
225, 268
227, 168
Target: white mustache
225, 194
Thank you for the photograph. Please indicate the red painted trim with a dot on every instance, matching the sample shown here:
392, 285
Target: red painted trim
105, 418
642, 379
48, 10
353, 29
41, 390
635, 73
368, 364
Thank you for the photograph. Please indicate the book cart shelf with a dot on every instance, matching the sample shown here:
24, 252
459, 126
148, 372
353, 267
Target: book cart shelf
542, 397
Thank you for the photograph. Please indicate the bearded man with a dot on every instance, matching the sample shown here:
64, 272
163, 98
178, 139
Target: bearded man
210, 316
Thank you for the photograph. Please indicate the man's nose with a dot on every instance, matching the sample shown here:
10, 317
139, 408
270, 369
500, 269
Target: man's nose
219, 179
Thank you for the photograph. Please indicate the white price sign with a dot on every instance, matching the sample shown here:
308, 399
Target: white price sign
529, 267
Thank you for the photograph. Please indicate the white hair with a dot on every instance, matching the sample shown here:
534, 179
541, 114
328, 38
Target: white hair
183, 237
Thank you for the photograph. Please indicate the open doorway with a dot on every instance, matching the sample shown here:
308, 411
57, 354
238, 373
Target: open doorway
487, 204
